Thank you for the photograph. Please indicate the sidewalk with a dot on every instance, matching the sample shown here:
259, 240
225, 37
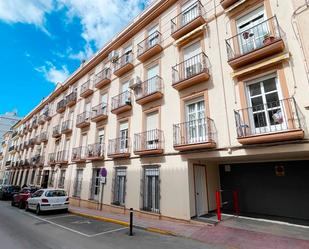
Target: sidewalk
234, 237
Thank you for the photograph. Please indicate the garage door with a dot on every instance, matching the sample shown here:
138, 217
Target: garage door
278, 189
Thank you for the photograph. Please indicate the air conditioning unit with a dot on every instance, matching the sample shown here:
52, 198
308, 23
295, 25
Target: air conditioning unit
135, 84
113, 56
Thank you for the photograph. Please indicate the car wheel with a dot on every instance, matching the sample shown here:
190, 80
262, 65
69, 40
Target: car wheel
38, 209
20, 205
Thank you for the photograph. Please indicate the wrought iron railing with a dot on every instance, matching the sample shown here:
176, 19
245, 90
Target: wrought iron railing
79, 153
71, 97
61, 104
149, 42
52, 158
66, 126
148, 87
86, 86
274, 116
95, 150
122, 99
149, 140
99, 110
123, 60
188, 15
82, 118
118, 146
43, 136
249, 40
191, 67
62, 156
102, 75
56, 130
194, 132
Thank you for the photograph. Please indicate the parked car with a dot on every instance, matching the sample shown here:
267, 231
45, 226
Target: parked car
7, 191
20, 198
47, 200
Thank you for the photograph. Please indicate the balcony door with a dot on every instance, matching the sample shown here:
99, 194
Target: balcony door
251, 29
153, 36
127, 54
266, 113
152, 123
189, 12
83, 144
124, 97
123, 137
104, 102
196, 128
192, 63
152, 72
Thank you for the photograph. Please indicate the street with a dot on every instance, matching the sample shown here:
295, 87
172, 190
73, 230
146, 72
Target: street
25, 230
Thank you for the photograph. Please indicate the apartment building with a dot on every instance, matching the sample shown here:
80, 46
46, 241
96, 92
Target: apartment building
192, 98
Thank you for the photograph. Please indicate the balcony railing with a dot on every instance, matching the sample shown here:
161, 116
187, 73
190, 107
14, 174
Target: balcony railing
102, 78
254, 38
26, 162
47, 115
37, 140
41, 119
151, 44
272, 117
123, 64
52, 158
123, 99
95, 151
14, 134
43, 137
11, 148
62, 156
34, 123
56, 131
149, 87
188, 69
148, 141
83, 120
119, 147
86, 89
188, 19
195, 132
79, 154
71, 99
8, 163
61, 106
66, 126
99, 112
32, 142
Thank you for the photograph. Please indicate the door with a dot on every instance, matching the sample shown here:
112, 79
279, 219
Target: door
123, 137
200, 190
127, 54
152, 123
96, 184
45, 179
104, 103
83, 144
251, 29
196, 123
192, 62
153, 36
265, 105
124, 98
189, 12
152, 72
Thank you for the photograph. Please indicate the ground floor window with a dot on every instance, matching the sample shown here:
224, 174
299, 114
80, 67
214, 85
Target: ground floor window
61, 178
151, 189
95, 187
119, 186
78, 182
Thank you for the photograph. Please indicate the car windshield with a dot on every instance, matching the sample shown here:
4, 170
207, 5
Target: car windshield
55, 193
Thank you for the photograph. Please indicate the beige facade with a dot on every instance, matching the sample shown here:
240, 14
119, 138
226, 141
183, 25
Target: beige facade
186, 87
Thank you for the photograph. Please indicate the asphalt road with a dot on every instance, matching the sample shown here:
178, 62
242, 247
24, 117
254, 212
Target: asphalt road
23, 230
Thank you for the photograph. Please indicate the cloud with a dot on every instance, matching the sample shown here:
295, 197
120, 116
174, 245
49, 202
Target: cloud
52, 74
29, 12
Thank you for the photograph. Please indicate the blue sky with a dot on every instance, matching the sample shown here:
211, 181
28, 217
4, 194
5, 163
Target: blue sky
43, 41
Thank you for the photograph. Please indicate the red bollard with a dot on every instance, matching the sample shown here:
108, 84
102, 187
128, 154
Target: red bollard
218, 205
235, 202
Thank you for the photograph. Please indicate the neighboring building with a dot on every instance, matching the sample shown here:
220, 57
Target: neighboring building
191, 98
7, 120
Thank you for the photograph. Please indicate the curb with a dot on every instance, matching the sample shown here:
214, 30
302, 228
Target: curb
123, 223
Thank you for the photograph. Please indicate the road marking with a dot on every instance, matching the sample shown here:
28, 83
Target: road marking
61, 216
81, 222
110, 231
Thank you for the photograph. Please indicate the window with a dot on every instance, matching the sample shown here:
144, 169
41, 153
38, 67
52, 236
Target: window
123, 136
52, 178
101, 136
78, 182
152, 123
95, 188
152, 72
192, 61
153, 36
119, 186
61, 178
189, 12
151, 189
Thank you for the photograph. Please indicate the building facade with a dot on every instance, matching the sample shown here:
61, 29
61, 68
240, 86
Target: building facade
7, 120
192, 98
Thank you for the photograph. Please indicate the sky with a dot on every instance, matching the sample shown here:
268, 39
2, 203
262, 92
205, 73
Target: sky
43, 41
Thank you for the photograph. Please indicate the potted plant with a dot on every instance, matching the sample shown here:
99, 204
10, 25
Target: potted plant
268, 39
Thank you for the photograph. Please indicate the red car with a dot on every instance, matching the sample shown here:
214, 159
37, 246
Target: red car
21, 198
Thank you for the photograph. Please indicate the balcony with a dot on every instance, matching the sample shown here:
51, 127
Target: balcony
122, 103
195, 134
149, 90
79, 154
124, 64
26, 144
56, 131
188, 20
41, 119
191, 72
47, 115
254, 44
37, 140
61, 106
26, 162
102, 78
227, 3
85, 89
274, 121
32, 142
62, 157
149, 47
95, 152
119, 148
35, 123
37, 160
83, 120
71, 99
14, 134
52, 158
8, 163
40, 161
43, 137
99, 112
11, 148
66, 127
148, 143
